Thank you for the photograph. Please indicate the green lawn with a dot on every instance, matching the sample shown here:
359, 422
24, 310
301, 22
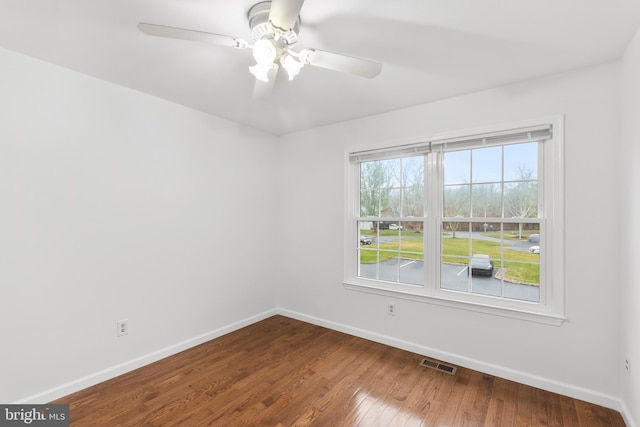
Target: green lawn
456, 251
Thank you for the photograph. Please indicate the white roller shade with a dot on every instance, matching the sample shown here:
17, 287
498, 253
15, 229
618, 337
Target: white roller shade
511, 136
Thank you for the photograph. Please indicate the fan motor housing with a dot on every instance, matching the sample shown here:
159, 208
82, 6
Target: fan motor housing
261, 27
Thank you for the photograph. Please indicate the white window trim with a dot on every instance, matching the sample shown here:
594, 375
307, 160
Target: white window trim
550, 309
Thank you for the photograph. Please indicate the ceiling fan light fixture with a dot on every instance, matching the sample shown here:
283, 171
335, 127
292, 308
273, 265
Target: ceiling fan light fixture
291, 65
261, 71
265, 51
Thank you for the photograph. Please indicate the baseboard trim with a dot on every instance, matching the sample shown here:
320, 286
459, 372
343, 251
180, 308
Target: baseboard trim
122, 368
626, 414
498, 371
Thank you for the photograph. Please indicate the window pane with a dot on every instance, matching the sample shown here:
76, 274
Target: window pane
455, 256
483, 276
521, 292
521, 160
527, 234
375, 183
457, 167
391, 173
388, 266
413, 201
521, 199
486, 252
411, 253
369, 202
521, 272
391, 205
412, 180
488, 242
486, 200
487, 164
456, 201
367, 254
413, 171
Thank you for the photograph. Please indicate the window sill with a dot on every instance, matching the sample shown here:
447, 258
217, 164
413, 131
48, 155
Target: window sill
544, 318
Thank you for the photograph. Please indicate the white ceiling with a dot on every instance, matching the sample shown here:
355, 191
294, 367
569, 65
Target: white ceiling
430, 49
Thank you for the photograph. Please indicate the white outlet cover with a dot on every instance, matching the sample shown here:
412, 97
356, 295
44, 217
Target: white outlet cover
123, 327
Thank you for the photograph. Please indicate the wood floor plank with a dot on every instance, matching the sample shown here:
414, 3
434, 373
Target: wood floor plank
525, 406
418, 400
283, 372
569, 413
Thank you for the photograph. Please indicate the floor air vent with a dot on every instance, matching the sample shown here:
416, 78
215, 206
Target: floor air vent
434, 364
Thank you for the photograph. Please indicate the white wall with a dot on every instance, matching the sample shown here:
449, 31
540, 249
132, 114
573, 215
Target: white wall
630, 220
117, 205
580, 357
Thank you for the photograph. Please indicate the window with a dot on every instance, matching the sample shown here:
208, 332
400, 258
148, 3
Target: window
472, 220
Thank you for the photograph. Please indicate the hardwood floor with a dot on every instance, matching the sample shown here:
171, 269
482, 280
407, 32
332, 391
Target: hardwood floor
283, 372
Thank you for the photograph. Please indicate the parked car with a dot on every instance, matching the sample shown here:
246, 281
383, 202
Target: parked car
364, 240
395, 227
534, 249
534, 238
480, 265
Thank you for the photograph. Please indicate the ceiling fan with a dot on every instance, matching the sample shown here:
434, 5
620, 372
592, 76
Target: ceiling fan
274, 29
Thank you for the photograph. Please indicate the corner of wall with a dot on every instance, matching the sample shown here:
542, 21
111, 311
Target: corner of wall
629, 213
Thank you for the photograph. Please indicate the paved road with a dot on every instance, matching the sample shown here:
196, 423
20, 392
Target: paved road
518, 245
454, 277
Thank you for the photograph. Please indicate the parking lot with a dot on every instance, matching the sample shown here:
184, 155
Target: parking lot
454, 277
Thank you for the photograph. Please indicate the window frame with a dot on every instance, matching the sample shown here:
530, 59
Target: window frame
550, 309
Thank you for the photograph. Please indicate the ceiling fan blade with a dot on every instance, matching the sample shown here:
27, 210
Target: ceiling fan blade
343, 63
284, 13
193, 35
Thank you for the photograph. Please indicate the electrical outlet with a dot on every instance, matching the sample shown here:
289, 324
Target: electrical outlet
123, 327
627, 364
391, 309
